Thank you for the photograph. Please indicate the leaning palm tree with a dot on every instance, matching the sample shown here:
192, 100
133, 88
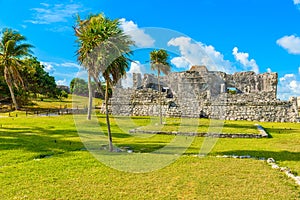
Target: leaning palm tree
159, 62
113, 73
103, 51
12, 50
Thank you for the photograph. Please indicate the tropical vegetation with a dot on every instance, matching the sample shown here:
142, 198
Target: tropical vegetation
12, 49
103, 49
159, 62
22, 76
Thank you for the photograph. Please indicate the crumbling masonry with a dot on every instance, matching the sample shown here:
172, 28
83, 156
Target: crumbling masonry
202, 93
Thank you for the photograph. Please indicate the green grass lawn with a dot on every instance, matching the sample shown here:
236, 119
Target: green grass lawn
65, 103
199, 125
44, 158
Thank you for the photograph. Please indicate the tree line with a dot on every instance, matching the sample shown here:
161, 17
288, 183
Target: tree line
21, 74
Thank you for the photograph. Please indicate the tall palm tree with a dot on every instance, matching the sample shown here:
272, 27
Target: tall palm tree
113, 73
159, 62
103, 50
12, 50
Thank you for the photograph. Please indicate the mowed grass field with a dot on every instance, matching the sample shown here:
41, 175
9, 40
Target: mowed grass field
44, 158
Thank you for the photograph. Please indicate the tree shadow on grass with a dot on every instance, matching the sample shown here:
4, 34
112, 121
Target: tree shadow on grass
37, 139
281, 130
240, 126
277, 155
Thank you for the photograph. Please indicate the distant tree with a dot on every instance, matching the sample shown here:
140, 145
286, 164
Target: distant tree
62, 94
159, 62
79, 86
37, 80
12, 51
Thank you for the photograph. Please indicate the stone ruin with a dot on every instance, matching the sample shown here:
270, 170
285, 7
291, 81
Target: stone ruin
200, 93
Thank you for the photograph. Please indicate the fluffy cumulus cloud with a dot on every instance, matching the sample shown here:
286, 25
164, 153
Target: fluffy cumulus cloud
181, 62
48, 67
135, 67
61, 82
197, 53
290, 43
289, 85
269, 70
63, 72
296, 2
137, 34
54, 13
243, 58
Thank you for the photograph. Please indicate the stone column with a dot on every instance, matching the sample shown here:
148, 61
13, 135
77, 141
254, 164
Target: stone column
137, 80
208, 94
223, 88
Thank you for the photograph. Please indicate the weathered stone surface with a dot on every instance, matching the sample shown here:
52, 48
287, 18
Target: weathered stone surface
202, 93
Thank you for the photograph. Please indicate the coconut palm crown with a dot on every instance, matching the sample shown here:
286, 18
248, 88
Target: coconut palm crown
104, 51
12, 51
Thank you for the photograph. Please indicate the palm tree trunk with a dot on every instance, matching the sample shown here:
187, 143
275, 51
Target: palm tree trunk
107, 117
159, 97
90, 102
10, 87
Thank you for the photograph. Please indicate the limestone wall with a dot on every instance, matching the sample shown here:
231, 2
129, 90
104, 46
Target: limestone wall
203, 93
144, 102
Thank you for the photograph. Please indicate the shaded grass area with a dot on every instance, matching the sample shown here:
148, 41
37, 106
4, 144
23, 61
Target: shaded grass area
26, 138
42, 158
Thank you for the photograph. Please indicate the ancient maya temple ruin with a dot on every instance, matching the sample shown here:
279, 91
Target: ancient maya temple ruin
200, 93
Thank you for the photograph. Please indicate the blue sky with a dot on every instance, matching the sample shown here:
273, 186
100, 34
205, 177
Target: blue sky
231, 36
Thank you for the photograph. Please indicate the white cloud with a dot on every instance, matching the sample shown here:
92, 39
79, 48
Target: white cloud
243, 58
296, 2
287, 77
137, 34
181, 62
269, 70
289, 85
290, 43
45, 4
48, 14
61, 82
71, 64
59, 29
48, 67
135, 67
197, 53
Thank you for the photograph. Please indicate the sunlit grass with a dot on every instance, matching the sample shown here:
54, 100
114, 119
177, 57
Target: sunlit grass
64, 103
44, 158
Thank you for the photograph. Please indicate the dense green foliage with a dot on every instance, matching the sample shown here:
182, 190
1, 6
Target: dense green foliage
37, 80
12, 50
79, 86
21, 74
